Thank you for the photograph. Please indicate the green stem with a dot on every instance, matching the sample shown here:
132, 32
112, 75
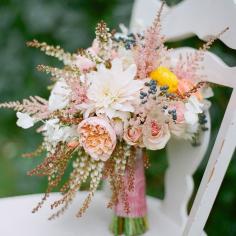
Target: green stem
129, 226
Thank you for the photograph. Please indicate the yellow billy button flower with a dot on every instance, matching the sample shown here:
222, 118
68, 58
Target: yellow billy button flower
165, 77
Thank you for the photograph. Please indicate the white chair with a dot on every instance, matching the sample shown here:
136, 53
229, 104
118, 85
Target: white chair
168, 217
202, 18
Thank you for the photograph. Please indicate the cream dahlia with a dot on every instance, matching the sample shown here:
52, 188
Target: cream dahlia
112, 92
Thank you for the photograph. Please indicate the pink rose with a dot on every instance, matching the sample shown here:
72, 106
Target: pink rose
180, 110
97, 137
95, 47
155, 135
178, 128
83, 63
132, 135
94, 50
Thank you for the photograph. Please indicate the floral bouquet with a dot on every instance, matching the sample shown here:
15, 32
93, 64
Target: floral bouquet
108, 104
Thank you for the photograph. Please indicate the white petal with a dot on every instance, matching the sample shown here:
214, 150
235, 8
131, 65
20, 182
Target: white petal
59, 97
117, 65
131, 71
124, 107
190, 117
24, 120
207, 92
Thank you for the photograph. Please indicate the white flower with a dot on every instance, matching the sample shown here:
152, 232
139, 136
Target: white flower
56, 133
126, 56
112, 92
24, 120
193, 108
59, 97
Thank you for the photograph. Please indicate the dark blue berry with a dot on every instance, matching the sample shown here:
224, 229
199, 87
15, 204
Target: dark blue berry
153, 87
143, 93
153, 82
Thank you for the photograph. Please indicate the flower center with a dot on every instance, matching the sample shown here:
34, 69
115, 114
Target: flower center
155, 128
109, 96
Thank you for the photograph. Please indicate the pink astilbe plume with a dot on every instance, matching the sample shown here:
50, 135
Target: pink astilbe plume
150, 51
188, 66
34, 105
78, 95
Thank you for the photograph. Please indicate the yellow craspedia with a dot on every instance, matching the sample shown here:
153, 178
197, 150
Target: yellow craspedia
165, 77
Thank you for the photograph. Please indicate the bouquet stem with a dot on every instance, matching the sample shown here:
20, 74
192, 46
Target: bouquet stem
129, 226
135, 222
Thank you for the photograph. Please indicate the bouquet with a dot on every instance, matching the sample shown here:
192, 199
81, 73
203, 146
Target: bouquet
108, 104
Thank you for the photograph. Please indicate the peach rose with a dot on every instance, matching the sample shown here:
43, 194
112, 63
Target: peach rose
155, 135
186, 85
97, 137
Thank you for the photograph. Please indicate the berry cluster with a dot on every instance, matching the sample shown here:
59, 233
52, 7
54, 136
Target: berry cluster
151, 90
202, 119
173, 114
128, 41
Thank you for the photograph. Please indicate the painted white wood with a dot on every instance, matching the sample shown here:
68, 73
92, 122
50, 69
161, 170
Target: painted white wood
183, 158
183, 161
144, 11
16, 218
202, 18
191, 17
178, 178
217, 166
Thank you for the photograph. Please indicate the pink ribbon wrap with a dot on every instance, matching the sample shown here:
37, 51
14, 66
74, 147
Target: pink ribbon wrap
137, 197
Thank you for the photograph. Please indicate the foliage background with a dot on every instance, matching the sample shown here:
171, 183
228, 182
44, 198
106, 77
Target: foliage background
70, 23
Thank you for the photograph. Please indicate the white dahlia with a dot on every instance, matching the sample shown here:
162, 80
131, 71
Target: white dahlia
112, 92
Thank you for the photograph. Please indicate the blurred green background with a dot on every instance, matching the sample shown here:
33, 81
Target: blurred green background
70, 23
